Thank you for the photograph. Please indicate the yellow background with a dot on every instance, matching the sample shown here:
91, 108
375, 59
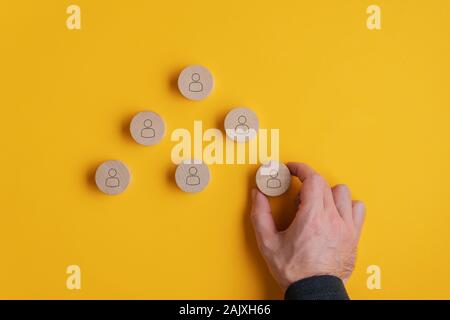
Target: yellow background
366, 108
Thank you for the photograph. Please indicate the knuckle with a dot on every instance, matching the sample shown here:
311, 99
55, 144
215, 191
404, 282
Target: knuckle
317, 179
315, 225
341, 189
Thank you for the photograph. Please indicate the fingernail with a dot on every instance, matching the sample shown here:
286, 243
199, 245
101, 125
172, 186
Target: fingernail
360, 206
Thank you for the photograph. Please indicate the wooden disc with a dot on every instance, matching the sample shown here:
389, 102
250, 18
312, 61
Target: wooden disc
147, 128
241, 124
273, 179
192, 176
195, 82
112, 177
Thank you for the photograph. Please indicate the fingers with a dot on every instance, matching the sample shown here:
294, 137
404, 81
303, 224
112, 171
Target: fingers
301, 170
315, 189
311, 192
359, 215
262, 220
328, 200
343, 202
316, 192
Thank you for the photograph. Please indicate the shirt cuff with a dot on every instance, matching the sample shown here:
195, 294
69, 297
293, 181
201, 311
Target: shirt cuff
317, 288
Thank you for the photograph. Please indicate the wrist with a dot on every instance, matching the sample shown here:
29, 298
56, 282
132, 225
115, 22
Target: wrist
319, 287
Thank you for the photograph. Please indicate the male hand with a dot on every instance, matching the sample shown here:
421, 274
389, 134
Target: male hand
323, 237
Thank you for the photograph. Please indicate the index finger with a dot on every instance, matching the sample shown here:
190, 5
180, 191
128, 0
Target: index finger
300, 170
312, 191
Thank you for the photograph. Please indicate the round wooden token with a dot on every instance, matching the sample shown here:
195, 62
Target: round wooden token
192, 176
195, 82
241, 124
112, 177
273, 179
147, 128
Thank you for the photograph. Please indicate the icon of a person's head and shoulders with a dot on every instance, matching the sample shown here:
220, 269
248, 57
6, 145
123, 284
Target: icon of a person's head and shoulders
195, 85
147, 131
242, 126
192, 179
112, 181
273, 182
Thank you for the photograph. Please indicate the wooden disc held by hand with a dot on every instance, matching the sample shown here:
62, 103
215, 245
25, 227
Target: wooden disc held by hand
273, 179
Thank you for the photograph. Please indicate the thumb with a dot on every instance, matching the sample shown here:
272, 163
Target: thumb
263, 224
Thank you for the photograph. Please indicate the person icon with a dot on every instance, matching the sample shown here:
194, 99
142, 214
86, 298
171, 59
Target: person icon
273, 182
242, 127
192, 179
195, 85
148, 131
112, 181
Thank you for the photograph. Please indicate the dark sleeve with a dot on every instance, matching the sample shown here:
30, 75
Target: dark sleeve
317, 288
